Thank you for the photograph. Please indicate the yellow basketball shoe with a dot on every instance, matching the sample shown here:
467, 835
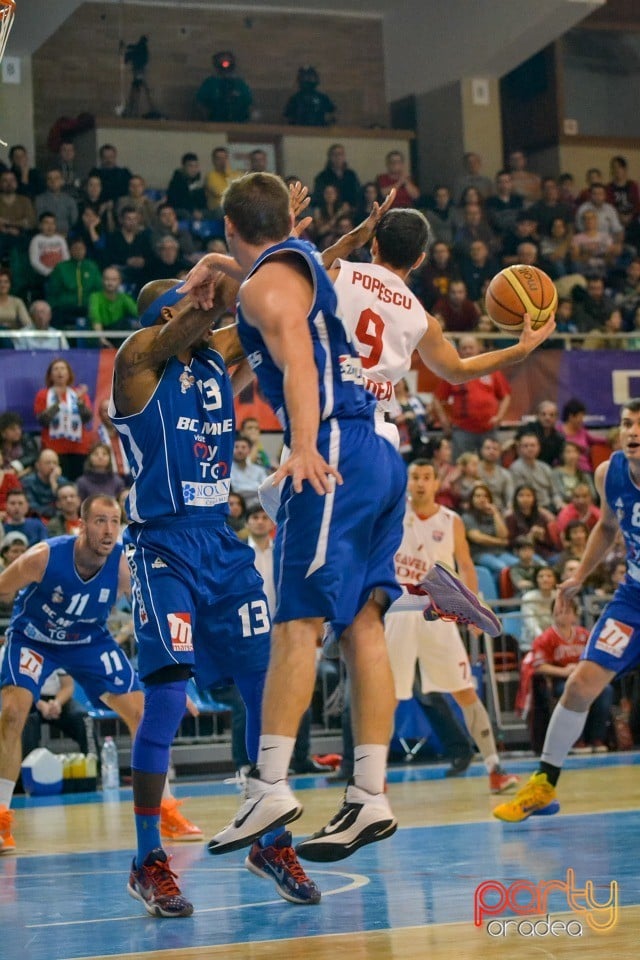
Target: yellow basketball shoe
7, 843
174, 825
536, 798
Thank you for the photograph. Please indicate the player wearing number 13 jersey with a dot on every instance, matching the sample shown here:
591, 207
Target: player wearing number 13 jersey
613, 647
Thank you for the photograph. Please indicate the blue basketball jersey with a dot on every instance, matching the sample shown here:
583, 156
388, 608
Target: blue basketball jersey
63, 608
342, 393
624, 499
180, 446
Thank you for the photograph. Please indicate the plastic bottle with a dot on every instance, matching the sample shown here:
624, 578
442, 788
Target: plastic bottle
109, 764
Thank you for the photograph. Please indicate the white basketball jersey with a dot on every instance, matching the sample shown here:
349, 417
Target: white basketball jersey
424, 542
385, 321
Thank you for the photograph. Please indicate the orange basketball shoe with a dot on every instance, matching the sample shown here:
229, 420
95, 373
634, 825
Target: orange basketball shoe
174, 825
7, 843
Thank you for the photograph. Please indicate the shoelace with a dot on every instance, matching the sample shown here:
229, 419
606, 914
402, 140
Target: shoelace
449, 617
293, 865
6, 819
164, 878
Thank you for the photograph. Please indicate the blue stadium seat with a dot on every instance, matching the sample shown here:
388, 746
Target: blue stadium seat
486, 584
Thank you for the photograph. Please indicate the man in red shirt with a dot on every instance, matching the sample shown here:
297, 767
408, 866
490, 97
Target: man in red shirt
397, 176
472, 411
556, 653
456, 312
581, 508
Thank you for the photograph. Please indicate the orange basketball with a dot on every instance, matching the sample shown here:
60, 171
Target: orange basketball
518, 290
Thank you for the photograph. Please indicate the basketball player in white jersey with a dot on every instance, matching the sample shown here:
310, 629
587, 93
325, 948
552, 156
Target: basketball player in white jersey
430, 533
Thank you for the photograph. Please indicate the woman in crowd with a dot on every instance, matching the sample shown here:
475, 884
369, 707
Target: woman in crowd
64, 411
527, 519
99, 475
573, 429
568, 474
537, 607
487, 532
13, 313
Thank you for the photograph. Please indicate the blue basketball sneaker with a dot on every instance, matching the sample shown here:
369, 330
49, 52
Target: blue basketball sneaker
280, 864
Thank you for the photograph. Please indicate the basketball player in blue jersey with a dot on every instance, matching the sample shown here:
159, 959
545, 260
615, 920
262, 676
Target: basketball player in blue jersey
198, 601
65, 590
339, 522
613, 647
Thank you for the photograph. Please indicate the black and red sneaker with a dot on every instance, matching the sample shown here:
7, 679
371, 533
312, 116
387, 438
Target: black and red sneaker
154, 884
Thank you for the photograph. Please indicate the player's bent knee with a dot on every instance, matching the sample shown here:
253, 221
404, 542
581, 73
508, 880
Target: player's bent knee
15, 707
164, 706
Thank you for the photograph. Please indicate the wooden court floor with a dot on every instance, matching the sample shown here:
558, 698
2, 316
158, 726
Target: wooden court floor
63, 895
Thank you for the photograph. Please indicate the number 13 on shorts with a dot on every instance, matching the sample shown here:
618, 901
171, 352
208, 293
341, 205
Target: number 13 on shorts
255, 618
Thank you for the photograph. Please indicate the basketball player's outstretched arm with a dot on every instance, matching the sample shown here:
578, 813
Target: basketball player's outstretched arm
277, 300
28, 568
359, 236
439, 354
599, 543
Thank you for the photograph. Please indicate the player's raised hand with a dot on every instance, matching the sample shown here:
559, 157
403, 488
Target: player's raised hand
299, 198
311, 466
531, 338
200, 282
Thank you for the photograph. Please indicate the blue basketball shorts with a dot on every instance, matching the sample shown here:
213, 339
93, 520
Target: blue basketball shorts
198, 600
99, 665
332, 551
614, 642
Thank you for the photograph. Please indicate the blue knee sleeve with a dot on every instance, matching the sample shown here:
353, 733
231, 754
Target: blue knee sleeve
164, 706
251, 687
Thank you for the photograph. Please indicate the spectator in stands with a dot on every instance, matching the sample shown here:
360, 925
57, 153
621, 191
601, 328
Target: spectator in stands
556, 653
54, 200
477, 268
398, 176
487, 532
258, 161
29, 179
580, 508
115, 179
574, 541
504, 205
41, 315
526, 229
593, 175
167, 225
137, 198
41, 486
17, 215
18, 450
223, 96
431, 281
564, 318
250, 427
573, 428
469, 475
12, 546
555, 249
567, 475
47, 248
456, 312
98, 475
607, 336
469, 411
472, 177
544, 427
472, 228
326, 215
338, 174
367, 196
129, 248
8, 481
567, 192
526, 518
592, 250
70, 285
16, 519
217, 181
607, 218
66, 519
111, 308
622, 193
550, 207
412, 422
446, 471
66, 163
524, 571
439, 211
496, 477
64, 410
246, 476
627, 299
185, 192
92, 198
537, 607
526, 183
166, 261
529, 470
237, 518
13, 313
591, 305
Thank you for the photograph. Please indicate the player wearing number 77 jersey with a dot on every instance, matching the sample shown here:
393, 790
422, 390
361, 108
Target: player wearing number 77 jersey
613, 647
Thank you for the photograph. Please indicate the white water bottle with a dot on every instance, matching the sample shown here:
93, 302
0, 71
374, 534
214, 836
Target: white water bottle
109, 764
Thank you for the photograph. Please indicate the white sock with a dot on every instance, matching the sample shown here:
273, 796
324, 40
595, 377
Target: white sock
407, 602
479, 726
370, 766
274, 756
6, 792
564, 729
